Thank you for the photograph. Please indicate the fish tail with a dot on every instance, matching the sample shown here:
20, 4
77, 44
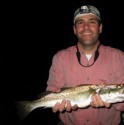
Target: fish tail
23, 109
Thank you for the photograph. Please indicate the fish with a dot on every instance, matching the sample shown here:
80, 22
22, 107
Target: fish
80, 95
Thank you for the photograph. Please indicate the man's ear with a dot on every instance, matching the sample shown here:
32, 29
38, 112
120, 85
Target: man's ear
74, 30
100, 28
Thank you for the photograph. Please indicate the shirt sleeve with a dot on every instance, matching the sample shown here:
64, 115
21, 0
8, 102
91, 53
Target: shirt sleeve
119, 106
119, 75
119, 72
55, 79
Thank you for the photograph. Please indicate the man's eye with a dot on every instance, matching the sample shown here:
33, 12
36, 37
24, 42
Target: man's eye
80, 22
94, 22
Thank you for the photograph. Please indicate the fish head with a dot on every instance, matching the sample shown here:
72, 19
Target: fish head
112, 93
121, 90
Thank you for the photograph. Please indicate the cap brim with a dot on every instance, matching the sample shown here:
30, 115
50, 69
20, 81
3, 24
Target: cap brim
80, 15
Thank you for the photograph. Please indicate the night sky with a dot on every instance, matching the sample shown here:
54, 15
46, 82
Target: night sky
31, 33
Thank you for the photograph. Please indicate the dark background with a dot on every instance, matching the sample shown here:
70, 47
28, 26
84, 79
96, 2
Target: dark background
31, 33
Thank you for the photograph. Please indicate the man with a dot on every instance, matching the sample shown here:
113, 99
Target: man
88, 62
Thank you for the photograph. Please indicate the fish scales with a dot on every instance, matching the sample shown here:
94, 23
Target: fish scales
66, 93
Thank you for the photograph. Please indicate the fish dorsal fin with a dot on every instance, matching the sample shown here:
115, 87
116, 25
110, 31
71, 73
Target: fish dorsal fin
80, 85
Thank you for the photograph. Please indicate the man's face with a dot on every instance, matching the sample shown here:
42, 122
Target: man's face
87, 29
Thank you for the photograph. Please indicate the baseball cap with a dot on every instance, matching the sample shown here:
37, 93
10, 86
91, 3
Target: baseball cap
86, 9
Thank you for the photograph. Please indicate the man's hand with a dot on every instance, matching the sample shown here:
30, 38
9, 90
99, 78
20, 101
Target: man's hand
65, 105
97, 102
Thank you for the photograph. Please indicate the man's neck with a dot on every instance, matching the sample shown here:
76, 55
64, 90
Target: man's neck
88, 49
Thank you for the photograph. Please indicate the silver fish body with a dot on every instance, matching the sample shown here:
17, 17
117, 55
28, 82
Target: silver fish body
112, 94
80, 95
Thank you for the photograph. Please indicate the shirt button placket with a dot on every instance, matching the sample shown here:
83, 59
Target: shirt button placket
87, 120
87, 78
